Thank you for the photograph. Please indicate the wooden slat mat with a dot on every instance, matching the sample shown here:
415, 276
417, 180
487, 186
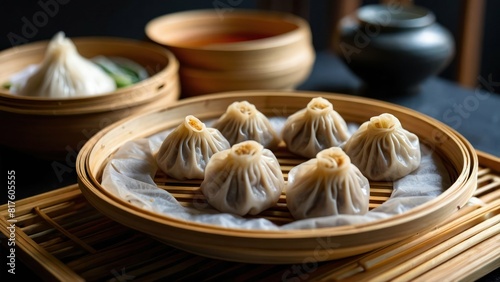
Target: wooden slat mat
62, 237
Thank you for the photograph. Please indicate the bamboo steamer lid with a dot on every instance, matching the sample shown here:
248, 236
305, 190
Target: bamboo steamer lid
47, 127
291, 246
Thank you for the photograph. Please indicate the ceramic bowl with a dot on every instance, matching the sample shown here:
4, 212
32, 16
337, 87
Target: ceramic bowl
245, 49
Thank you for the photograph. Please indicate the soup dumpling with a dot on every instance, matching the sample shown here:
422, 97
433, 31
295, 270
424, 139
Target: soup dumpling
327, 185
242, 121
185, 152
245, 179
65, 73
383, 150
314, 128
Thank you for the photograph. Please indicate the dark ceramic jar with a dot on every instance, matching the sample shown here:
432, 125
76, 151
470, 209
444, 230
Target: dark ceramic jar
393, 48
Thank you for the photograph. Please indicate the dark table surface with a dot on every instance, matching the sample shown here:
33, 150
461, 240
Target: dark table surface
474, 113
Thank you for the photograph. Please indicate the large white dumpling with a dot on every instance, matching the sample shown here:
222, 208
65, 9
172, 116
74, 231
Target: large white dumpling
242, 121
65, 73
383, 150
327, 185
314, 128
245, 179
186, 151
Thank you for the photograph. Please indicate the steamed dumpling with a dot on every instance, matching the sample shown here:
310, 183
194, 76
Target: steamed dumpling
186, 151
383, 150
65, 73
245, 179
242, 121
314, 128
327, 185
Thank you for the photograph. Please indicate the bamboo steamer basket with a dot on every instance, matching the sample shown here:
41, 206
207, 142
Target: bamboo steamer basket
291, 246
55, 127
244, 49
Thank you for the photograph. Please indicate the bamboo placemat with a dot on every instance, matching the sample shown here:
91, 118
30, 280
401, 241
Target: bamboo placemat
61, 237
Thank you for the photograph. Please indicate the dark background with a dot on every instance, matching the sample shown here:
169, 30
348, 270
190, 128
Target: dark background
127, 18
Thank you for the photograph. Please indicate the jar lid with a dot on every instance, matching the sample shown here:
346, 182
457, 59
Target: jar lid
395, 15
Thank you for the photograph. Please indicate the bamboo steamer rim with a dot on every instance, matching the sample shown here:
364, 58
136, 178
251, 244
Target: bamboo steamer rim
90, 185
99, 106
64, 106
301, 28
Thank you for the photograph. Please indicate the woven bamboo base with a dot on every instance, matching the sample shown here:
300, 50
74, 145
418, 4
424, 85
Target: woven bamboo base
62, 237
